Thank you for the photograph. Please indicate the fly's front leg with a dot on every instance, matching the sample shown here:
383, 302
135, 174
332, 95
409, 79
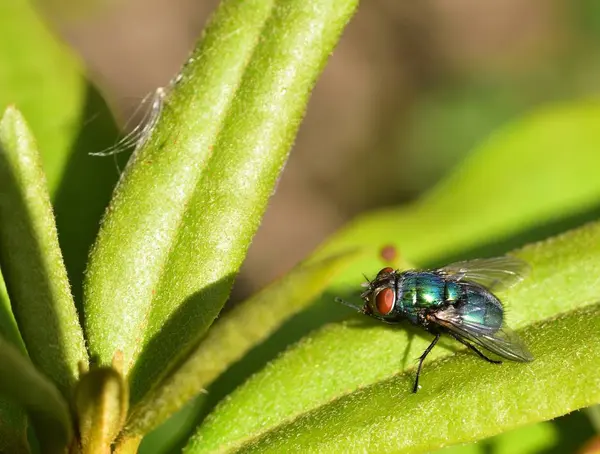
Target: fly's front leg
422, 358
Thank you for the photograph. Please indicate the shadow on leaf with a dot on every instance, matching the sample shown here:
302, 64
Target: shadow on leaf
85, 188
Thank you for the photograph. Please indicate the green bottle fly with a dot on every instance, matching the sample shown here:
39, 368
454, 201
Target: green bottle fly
456, 300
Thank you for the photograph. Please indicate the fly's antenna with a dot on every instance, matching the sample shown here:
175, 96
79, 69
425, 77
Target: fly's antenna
366, 284
352, 305
138, 135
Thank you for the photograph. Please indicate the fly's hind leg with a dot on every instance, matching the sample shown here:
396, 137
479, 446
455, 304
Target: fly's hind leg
475, 349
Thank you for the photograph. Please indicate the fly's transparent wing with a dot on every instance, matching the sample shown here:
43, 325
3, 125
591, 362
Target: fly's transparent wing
503, 342
494, 274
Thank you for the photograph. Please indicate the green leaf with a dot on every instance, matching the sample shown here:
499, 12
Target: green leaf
69, 119
520, 395
47, 410
531, 439
85, 187
250, 323
13, 422
8, 325
356, 393
188, 204
43, 81
31, 260
169, 436
293, 327
13, 427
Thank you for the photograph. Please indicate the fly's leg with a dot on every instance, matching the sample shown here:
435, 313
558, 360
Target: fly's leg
422, 358
472, 347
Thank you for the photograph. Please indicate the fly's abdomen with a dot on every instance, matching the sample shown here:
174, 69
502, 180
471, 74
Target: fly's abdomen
479, 306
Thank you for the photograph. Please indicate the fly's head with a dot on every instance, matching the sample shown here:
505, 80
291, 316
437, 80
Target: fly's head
380, 296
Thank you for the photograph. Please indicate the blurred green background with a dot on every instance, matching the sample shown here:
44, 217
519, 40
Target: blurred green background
412, 87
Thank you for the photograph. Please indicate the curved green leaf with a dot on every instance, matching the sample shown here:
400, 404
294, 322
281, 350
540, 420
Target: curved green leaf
43, 81
368, 367
47, 409
85, 187
13, 427
289, 328
564, 434
31, 259
502, 399
190, 200
13, 422
233, 335
170, 436
8, 325
69, 119
531, 439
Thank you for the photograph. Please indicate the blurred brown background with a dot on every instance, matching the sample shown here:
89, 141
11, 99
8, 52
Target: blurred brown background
412, 87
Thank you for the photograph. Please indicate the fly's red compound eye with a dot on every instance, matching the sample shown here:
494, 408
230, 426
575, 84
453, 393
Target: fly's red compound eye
385, 300
384, 272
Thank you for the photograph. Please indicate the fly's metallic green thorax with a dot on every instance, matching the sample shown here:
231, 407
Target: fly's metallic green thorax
425, 289
456, 300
